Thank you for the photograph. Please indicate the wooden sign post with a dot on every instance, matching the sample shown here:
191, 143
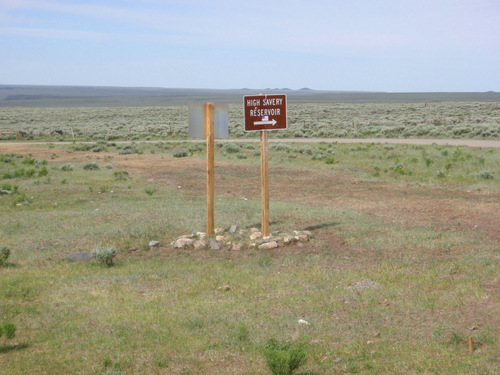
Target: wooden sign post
209, 121
210, 136
264, 113
264, 183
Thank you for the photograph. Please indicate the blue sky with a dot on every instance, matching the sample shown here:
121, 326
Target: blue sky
378, 45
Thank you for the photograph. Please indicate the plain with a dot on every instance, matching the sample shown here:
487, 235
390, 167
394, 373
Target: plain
402, 269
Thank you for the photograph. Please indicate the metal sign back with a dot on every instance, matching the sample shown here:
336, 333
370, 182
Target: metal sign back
196, 121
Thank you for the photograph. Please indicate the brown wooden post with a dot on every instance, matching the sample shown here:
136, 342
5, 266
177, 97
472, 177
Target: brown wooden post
209, 134
264, 183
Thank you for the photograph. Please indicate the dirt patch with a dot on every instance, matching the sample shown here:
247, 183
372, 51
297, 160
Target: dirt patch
446, 208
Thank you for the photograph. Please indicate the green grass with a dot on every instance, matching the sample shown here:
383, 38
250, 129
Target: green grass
162, 312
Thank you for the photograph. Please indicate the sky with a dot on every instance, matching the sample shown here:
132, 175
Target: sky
356, 45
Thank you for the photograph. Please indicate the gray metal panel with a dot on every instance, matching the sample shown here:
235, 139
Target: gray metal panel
196, 120
221, 121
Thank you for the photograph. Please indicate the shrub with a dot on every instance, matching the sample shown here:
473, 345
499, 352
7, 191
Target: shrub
67, 168
82, 147
182, 153
9, 189
440, 174
28, 161
318, 156
308, 150
232, 148
4, 254
283, 358
279, 147
196, 148
99, 148
104, 256
298, 134
92, 166
129, 149
120, 175
43, 171
486, 175
6, 158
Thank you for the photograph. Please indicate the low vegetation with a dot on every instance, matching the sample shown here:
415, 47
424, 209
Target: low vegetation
305, 120
104, 256
284, 358
8, 330
4, 254
401, 275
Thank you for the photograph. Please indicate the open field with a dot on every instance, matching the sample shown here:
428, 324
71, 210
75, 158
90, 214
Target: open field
402, 269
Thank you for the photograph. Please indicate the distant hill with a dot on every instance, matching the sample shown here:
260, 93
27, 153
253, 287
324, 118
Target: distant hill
74, 96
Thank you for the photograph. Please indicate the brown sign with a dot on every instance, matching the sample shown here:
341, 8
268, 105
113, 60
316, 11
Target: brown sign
265, 112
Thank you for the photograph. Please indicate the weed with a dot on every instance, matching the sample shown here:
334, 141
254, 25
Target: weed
283, 358
4, 254
160, 362
329, 160
456, 339
150, 191
22, 199
242, 333
9, 330
107, 362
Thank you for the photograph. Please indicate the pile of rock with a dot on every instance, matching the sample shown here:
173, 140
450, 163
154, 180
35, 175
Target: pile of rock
235, 239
